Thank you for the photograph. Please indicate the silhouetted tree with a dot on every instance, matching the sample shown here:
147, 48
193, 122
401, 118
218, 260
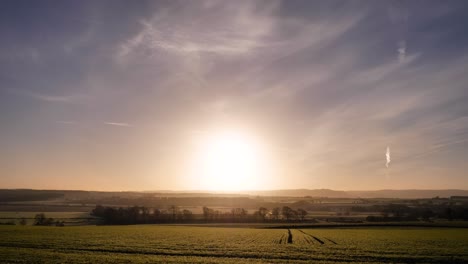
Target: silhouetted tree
276, 213
262, 212
397, 210
145, 214
23, 221
173, 209
238, 213
427, 214
302, 213
216, 214
187, 214
287, 212
449, 213
41, 219
243, 213
98, 211
208, 213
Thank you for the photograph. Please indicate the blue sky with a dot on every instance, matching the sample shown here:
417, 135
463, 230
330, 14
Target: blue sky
108, 95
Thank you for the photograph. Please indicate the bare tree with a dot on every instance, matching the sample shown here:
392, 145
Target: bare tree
40, 219
287, 212
173, 209
207, 212
23, 221
187, 214
275, 213
302, 213
262, 212
243, 213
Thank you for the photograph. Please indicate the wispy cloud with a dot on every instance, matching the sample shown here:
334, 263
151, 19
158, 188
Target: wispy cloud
193, 29
398, 14
55, 98
316, 77
67, 122
118, 124
387, 157
401, 50
318, 81
47, 97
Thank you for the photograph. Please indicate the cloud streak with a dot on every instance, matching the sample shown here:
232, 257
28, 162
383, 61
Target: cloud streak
315, 80
387, 157
67, 122
196, 29
401, 50
118, 124
47, 97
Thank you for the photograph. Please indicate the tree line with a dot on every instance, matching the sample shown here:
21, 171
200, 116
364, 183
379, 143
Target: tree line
42, 220
144, 215
400, 212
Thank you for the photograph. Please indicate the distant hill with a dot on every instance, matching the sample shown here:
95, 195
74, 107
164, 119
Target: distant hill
403, 194
302, 193
19, 195
408, 194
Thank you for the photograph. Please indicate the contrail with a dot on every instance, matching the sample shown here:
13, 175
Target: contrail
387, 154
401, 51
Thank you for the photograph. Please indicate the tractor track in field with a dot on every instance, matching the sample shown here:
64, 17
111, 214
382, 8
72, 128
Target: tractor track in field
314, 237
308, 238
286, 238
280, 241
318, 240
160, 253
290, 237
362, 258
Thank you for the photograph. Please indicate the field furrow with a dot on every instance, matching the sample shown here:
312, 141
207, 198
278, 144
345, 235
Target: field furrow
156, 243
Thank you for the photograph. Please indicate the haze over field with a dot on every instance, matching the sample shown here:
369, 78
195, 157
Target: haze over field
233, 95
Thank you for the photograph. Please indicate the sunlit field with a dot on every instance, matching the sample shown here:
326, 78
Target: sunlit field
184, 244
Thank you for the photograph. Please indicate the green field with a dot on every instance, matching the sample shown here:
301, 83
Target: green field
165, 244
70, 218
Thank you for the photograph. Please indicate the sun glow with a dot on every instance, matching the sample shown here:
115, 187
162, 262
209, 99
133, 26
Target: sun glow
229, 162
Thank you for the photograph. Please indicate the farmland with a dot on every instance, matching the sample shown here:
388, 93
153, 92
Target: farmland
69, 218
191, 244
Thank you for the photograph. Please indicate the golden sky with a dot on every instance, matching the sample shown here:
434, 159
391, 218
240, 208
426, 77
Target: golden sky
233, 95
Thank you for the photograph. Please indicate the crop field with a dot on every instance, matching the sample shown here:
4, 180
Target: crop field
58, 215
71, 218
190, 244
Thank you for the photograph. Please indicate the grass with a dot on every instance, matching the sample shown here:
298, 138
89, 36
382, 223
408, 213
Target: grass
58, 215
70, 218
184, 244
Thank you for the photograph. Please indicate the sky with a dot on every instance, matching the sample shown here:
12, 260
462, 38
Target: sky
347, 95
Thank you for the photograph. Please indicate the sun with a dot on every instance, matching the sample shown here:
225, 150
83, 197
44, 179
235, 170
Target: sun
229, 161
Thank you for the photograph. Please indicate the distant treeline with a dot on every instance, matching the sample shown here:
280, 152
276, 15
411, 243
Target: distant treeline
144, 215
173, 214
28, 195
401, 212
42, 220
165, 202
